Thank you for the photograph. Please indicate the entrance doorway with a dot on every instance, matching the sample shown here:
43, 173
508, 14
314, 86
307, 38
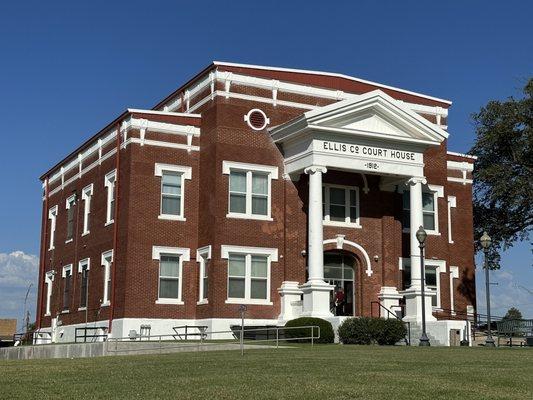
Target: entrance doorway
339, 271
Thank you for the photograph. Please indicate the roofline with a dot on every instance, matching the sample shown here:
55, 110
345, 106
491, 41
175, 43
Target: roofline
173, 114
333, 74
453, 153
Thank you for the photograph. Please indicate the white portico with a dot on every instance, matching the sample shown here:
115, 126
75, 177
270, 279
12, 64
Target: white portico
371, 134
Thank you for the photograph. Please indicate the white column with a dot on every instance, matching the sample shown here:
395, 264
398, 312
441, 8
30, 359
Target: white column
413, 295
415, 205
316, 291
315, 254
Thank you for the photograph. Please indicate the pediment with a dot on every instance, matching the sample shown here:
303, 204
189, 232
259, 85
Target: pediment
373, 114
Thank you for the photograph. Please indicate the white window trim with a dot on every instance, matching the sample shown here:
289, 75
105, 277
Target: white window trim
452, 203
106, 301
440, 268
272, 173
185, 173
347, 223
52, 216
71, 200
81, 263
48, 280
86, 195
110, 182
184, 255
272, 256
66, 268
438, 191
454, 273
203, 254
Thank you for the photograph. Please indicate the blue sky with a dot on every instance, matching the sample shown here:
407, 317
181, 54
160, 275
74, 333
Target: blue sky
68, 68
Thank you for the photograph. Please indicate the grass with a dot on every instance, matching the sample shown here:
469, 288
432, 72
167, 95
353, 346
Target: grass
300, 372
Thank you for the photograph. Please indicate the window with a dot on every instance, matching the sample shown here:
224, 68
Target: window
67, 283
429, 209
452, 203
52, 216
83, 269
203, 255
340, 205
109, 183
71, 202
170, 273
249, 274
172, 190
86, 195
249, 189
433, 268
107, 261
48, 280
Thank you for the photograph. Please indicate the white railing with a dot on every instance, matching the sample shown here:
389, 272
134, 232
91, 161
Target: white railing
164, 342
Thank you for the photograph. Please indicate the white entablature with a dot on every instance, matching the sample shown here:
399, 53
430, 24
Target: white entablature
373, 133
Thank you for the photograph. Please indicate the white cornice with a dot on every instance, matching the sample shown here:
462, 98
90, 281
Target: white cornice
169, 113
452, 153
332, 74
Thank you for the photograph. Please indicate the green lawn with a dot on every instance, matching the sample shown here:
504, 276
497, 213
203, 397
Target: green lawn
302, 372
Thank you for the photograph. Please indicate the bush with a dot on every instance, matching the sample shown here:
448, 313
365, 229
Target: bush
326, 330
366, 330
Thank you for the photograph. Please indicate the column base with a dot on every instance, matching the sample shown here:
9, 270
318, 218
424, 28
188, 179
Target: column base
413, 305
291, 302
316, 299
389, 298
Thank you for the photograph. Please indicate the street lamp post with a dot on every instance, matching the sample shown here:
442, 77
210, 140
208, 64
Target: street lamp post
485, 243
421, 236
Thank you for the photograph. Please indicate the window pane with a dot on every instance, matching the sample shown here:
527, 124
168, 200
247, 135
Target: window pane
171, 183
237, 203
259, 267
236, 288
429, 221
237, 182
332, 272
171, 205
259, 183
206, 287
348, 273
353, 214
406, 276
259, 205
169, 266
237, 265
258, 289
428, 202
337, 213
431, 276
337, 196
353, 198
406, 219
168, 288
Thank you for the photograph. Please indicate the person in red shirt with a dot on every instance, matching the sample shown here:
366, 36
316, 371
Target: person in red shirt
340, 300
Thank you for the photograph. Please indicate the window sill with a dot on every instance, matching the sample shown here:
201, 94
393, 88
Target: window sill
106, 304
432, 233
172, 217
249, 301
85, 233
51, 248
65, 312
47, 315
82, 309
169, 301
204, 301
109, 222
250, 216
342, 224
69, 241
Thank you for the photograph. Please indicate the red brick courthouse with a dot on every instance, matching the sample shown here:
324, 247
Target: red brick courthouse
269, 187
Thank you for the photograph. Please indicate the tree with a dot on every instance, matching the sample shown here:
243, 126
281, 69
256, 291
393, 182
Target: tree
503, 173
513, 314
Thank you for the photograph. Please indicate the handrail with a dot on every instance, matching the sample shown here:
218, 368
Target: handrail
93, 336
201, 343
201, 330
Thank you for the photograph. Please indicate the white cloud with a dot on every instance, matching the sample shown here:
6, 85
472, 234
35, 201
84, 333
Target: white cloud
17, 271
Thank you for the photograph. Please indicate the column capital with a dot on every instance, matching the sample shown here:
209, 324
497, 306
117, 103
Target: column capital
415, 180
315, 168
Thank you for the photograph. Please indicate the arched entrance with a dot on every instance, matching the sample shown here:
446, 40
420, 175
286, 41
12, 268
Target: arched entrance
339, 271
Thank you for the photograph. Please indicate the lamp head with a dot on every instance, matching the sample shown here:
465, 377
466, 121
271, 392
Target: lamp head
421, 235
485, 240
